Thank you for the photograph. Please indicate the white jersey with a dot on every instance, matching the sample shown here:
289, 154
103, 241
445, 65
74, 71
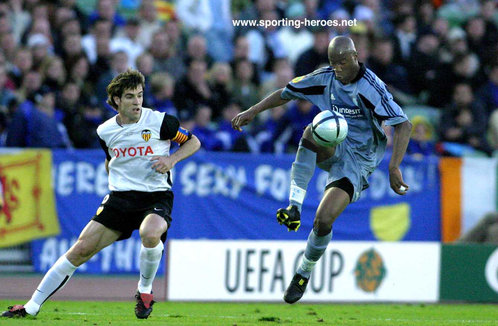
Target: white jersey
130, 147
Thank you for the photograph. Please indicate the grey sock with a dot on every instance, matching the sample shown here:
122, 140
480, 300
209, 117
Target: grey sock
315, 247
302, 171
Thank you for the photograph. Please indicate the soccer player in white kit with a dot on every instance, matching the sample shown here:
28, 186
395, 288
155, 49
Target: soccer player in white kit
137, 143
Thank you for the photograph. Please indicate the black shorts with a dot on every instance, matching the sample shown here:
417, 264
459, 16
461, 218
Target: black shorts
124, 211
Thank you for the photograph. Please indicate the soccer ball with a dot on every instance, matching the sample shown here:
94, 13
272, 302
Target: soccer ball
329, 128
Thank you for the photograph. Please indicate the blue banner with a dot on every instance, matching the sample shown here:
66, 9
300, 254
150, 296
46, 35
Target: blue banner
235, 196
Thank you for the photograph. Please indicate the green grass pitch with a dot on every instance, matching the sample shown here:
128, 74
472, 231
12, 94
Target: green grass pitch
238, 314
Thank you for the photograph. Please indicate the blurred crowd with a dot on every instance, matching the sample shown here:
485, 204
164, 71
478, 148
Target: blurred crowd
57, 57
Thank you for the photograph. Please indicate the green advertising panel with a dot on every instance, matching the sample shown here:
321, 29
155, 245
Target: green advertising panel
469, 272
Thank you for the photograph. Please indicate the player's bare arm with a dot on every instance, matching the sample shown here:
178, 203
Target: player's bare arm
401, 138
107, 165
163, 164
271, 101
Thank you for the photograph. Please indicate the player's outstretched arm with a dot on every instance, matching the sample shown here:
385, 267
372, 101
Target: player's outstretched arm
401, 138
271, 101
163, 164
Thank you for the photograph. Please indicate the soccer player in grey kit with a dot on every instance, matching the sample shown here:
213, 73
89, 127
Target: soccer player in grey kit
347, 87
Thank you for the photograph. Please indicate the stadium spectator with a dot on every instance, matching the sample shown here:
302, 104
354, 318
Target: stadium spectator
40, 50
80, 15
255, 10
315, 56
31, 83
244, 91
39, 26
266, 139
464, 121
104, 57
54, 73
395, 76
193, 90
19, 18
374, 16
489, 12
295, 40
69, 27
8, 46
340, 15
6, 95
145, 64
165, 59
405, 36
488, 93
282, 74
221, 83
106, 10
485, 231
82, 124
60, 16
425, 16
176, 37
205, 130
118, 65
464, 69
480, 41
5, 25
128, 42
78, 72
195, 15
101, 28
213, 20
241, 52
220, 34
22, 64
37, 123
231, 139
441, 28
149, 23
265, 44
3, 130
69, 98
140, 199
422, 139
162, 87
72, 49
197, 50
454, 45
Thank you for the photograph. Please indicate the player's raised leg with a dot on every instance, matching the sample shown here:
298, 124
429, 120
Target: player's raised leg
308, 154
334, 201
151, 230
92, 239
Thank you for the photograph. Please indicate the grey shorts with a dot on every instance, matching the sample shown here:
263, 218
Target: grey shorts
346, 164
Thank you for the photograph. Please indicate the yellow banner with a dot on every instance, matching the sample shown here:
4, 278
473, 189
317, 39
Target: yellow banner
29, 203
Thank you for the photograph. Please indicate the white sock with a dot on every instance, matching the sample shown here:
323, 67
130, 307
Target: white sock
149, 263
55, 279
307, 265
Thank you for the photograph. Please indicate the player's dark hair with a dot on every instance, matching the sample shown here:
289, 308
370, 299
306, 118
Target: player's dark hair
130, 79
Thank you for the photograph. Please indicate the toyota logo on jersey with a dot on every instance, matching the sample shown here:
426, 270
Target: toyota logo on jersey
146, 134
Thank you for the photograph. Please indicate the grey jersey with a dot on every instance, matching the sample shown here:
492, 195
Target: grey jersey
365, 103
